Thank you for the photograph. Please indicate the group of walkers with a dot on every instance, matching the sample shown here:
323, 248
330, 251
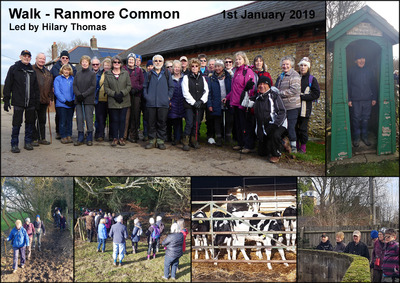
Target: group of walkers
385, 255
108, 226
24, 237
59, 219
239, 103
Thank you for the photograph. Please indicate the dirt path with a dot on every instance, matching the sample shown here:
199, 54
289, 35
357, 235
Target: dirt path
53, 264
103, 160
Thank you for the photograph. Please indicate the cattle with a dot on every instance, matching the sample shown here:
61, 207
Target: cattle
221, 239
253, 206
290, 225
260, 225
200, 226
232, 207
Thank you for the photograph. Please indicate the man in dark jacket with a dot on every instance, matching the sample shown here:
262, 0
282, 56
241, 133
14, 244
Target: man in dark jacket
173, 251
90, 225
55, 71
356, 246
158, 90
362, 96
45, 81
325, 244
21, 81
271, 122
119, 233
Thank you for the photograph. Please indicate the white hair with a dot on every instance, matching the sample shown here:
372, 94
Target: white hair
151, 220
136, 220
158, 55
158, 218
120, 218
174, 228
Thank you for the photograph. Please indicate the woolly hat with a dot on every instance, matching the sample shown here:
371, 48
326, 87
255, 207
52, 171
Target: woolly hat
374, 234
136, 220
64, 53
37, 216
305, 61
265, 80
359, 55
174, 228
219, 62
131, 55
139, 56
150, 62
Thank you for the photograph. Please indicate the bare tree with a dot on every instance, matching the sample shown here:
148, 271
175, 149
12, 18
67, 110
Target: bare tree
66, 46
338, 11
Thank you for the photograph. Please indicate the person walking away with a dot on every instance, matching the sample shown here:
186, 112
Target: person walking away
39, 231
173, 251
90, 226
309, 92
119, 233
377, 257
340, 245
390, 264
45, 81
62, 222
102, 235
19, 240
22, 83
30, 230
325, 244
160, 226
136, 233
152, 233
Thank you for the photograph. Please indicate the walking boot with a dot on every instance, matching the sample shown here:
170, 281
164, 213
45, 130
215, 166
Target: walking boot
151, 144
356, 142
35, 143
148, 257
195, 144
302, 148
15, 149
293, 146
286, 144
28, 146
80, 139
154, 256
185, 142
44, 142
89, 138
366, 141
160, 144
219, 141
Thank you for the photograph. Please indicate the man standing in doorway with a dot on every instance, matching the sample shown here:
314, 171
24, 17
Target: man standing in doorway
362, 96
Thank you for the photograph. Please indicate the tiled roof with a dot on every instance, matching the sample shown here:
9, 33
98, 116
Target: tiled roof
215, 28
77, 52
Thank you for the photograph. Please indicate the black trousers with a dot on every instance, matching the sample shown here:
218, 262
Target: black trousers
302, 129
157, 123
39, 133
271, 144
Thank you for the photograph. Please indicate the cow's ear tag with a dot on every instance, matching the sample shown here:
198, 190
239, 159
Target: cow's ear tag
264, 236
280, 235
201, 221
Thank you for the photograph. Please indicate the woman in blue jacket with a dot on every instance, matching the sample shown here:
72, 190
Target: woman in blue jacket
63, 91
19, 240
219, 85
102, 232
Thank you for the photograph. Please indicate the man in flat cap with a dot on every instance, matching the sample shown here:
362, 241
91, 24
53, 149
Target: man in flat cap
21, 86
362, 96
356, 246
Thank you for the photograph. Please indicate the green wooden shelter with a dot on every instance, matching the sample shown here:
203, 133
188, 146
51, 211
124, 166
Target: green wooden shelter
368, 32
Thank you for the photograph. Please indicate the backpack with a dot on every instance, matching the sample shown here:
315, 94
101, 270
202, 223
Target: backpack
166, 73
161, 228
156, 232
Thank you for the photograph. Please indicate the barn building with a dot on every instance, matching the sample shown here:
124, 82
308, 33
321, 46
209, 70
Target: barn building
301, 32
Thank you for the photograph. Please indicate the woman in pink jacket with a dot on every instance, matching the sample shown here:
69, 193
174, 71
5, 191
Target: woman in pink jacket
30, 230
108, 222
243, 80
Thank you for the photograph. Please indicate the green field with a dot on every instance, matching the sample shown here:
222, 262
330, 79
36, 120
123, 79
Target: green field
13, 214
384, 168
93, 266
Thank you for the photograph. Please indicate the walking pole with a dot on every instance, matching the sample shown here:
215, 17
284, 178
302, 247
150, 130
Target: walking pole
48, 118
38, 125
197, 122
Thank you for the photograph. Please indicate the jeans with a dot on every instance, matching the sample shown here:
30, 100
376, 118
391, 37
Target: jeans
360, 114
117, 122
292, 121
101, 110
102, 242
170, 262
190, 127
39, 133
84, 112
65, 116
118, 249
15, 260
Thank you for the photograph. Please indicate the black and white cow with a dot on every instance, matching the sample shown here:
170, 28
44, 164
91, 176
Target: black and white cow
232, 207
253, 206
222, 226
200, 226
261, 225
290, 225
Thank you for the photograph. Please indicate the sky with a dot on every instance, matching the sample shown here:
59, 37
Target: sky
120, 33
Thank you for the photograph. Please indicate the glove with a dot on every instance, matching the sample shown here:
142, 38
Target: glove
7, 106
80, 98
249, 85
118, 97
274, 89
198, 104
253, 98
133, 91
69, 103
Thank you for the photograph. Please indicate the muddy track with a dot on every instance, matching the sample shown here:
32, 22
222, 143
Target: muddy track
53, 264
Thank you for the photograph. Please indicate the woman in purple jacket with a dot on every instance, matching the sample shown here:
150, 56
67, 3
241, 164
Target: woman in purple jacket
377, 256
243, 80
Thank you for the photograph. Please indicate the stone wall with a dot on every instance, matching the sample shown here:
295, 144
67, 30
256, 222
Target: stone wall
272, 53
